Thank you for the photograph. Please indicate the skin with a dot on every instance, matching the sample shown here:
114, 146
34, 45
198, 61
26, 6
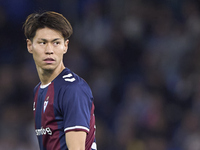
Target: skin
48, 47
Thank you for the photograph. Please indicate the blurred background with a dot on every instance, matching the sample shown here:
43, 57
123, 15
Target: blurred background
141, 59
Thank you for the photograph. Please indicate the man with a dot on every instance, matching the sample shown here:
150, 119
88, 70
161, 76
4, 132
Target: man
63, 102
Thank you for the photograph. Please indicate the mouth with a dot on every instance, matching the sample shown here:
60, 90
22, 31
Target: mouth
49, 60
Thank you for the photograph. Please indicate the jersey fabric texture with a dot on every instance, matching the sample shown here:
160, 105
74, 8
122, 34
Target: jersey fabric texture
65, 104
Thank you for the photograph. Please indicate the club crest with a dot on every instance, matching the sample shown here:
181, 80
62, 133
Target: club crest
46, 103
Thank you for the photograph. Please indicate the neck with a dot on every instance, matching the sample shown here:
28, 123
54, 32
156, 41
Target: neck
47, 76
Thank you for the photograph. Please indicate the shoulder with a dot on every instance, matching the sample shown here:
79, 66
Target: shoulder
70, 81
72, 90
36, 88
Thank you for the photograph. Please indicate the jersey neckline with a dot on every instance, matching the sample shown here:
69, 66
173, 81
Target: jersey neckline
44, 86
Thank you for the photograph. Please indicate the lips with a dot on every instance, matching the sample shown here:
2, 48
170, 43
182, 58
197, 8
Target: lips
49, 60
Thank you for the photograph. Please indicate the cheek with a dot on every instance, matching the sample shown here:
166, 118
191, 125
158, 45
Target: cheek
36, 56
60, 51
37, 50
60, 55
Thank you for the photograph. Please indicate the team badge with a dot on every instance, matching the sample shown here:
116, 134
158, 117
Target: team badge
46, 103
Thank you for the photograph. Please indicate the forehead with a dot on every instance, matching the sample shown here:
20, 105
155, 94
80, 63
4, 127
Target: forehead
48, 34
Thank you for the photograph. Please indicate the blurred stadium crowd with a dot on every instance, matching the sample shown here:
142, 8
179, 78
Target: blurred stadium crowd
140, 57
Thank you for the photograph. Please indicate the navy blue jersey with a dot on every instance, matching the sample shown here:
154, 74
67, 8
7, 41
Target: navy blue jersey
65, 104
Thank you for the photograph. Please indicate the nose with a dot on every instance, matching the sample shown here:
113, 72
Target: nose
49, 49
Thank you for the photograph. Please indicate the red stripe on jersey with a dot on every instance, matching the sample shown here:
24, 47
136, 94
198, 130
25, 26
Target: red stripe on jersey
50, 141
91, 135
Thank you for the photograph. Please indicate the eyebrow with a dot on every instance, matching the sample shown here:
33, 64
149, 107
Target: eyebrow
45, 40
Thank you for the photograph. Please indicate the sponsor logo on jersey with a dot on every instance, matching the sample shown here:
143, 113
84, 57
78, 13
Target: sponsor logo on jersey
69, 77
46, 103
43, 131
34, 106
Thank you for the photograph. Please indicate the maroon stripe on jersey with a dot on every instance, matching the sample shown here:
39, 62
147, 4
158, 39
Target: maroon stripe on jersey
91, 135
51, 138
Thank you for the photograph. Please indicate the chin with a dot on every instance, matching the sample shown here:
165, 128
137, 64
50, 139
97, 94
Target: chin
49, 68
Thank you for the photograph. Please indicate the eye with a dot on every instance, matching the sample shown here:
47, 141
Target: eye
42, 43
56, 43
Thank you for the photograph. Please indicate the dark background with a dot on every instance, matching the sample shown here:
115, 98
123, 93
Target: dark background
141, 59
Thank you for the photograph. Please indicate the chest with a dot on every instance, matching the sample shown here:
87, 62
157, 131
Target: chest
43, 107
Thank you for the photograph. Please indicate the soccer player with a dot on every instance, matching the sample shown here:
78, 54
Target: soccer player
63, 102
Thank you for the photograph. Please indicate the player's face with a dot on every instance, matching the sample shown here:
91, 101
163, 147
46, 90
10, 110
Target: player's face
48, 47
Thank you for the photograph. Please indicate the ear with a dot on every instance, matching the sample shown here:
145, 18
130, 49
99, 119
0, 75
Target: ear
29, 45
66, 46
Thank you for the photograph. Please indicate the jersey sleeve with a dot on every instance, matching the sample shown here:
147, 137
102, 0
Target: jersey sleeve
76, 108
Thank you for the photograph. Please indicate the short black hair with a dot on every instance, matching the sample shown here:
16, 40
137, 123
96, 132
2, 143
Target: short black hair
49, 19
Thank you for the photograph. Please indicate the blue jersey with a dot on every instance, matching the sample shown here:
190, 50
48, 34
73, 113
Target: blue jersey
66, 104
